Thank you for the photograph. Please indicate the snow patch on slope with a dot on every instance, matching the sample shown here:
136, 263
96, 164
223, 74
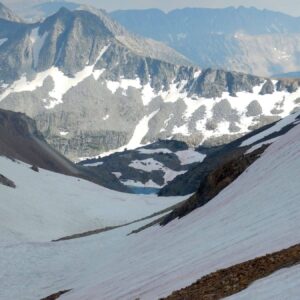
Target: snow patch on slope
149, 165
140, 131
190, 156
124, 84
148, 94
2, 41
94, 164
135, 183
63, 133
62, 83
277, 127
154, 151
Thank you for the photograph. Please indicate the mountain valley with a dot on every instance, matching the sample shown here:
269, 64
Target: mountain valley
129, 170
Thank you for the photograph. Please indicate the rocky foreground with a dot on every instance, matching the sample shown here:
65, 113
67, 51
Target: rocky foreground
227, 282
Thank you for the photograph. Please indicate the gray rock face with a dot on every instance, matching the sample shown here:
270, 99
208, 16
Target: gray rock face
290, 85
92, 88
212, 83
268, 88
254, 109
222, 111
147, 169
263, 121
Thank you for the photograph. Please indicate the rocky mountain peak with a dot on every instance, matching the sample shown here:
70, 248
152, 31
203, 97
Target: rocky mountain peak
94, 87
37, 47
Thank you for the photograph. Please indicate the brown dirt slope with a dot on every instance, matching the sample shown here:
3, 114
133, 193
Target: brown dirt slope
226, 282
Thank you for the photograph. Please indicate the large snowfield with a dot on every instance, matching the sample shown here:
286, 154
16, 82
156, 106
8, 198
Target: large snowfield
98, 86
47, 205
258, 214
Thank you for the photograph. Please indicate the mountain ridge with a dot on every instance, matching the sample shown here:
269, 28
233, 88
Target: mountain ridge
226, 38
117, 91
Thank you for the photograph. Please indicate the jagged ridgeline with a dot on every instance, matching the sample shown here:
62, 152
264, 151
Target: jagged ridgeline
92, 87
244, 39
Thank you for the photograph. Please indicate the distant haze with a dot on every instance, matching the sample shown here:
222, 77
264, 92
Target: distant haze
291, 7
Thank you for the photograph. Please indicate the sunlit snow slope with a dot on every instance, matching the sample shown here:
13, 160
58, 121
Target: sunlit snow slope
46, 205
259, 213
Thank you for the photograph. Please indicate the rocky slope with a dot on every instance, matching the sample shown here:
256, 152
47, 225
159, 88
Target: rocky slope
148, 169
243, 39
118, 91
20, 140
257, 214
216, 181
170, 167
224, 156
227, 282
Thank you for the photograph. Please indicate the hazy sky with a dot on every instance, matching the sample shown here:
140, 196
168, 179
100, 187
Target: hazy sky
287, 6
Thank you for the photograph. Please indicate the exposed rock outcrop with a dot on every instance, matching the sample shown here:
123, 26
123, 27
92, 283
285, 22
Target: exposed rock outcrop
189, 182
7, 182
227, 282
20, 140
215, 182
56, 295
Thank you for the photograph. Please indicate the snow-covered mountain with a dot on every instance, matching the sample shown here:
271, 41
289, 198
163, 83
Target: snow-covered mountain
243, 39
256, 214
93, 87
